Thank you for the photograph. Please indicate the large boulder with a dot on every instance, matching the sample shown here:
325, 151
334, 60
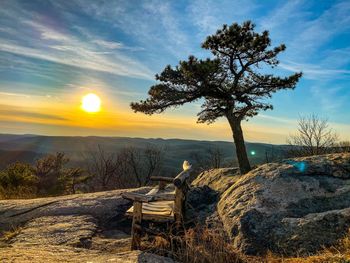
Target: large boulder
294, 207
205, 193
218, 180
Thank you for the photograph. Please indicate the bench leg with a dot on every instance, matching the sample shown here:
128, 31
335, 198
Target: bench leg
178, 208
136, 225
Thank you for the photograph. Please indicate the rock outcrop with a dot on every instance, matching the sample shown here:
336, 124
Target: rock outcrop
294, 207
66, 254
103, 206
218, 180
205, 193
70, 228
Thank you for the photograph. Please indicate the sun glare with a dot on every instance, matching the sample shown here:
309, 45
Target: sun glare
91, 103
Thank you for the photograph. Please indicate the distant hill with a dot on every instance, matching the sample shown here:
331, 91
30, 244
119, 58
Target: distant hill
28, 148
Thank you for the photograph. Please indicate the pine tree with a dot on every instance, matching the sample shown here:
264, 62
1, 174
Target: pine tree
232, 83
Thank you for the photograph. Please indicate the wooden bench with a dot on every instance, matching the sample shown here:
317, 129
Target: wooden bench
164, 203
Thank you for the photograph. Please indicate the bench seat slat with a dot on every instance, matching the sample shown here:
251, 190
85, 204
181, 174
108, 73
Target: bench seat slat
165, 208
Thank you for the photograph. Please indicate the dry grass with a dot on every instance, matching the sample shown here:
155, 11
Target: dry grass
8, 235
196, 245
17, 193
204, 245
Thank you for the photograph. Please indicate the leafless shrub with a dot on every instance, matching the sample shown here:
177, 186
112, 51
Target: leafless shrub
141, 164
314, 137
213, 157
153, 161
130, 167
103, 166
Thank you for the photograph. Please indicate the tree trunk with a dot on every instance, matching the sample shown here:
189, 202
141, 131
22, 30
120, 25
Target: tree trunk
238, 138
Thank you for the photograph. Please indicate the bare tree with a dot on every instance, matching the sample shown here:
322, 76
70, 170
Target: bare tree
153, 161
141, 164
130, 164
199, 161
215, 157
314, 137
130, 167
209, 159
103, 166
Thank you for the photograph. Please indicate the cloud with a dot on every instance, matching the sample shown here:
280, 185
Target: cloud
157, 25
284, 120
9, 111
283, 14
331, 98
208, 15
315, 72
15, 94
331, 22
62, 46
108, 44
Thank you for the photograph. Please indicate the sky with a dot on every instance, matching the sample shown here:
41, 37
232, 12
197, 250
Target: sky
53, 52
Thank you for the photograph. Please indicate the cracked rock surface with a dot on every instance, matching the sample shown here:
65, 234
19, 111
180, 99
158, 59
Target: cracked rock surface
74, 228
103, 206
294, 207
71, 230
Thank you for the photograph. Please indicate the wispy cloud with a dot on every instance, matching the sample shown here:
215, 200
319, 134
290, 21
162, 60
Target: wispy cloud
26, 113
315, 72
331, 98
208, 15
15, 94
318, 31
108, 44
65, 48
283, 14
156, 24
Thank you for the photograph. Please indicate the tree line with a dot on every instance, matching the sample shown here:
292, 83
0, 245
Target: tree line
53, 175
101, 170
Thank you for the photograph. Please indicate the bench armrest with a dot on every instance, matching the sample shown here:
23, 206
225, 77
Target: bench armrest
148, 198
181, 178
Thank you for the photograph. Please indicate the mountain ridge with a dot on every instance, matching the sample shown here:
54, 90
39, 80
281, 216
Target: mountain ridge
76, 147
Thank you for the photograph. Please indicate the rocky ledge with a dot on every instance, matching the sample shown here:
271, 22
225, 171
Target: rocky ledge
294, 207
75, 228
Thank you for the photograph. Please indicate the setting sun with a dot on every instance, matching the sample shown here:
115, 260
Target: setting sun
91, 103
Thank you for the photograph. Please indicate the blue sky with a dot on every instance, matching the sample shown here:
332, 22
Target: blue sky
53, 52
